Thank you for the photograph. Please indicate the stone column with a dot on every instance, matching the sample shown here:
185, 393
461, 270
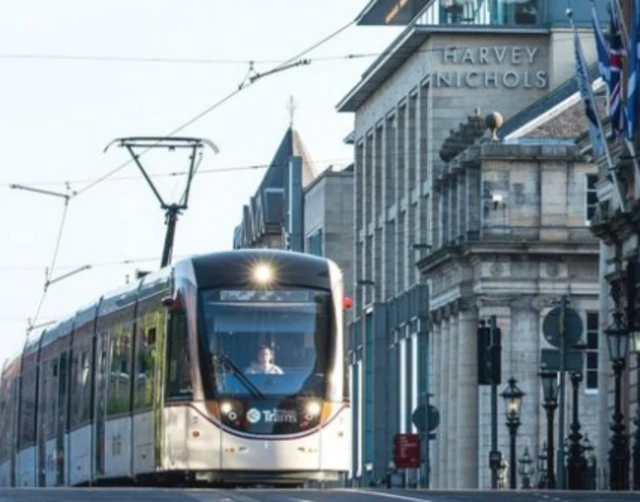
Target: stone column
454, 364
522, 346
467, 399
436, 450
445, 435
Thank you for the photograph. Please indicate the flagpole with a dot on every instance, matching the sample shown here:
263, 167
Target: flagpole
615, 5
598, 34
597, 115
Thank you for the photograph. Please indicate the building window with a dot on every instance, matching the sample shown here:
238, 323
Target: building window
591, 196
591, 370
368, 390
314, 243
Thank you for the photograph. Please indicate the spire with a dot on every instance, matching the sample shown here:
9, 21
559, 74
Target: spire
291, 107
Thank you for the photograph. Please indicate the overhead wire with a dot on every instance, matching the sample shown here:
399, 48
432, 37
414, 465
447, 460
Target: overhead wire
168, 174
194, 61
291, 61
110, 263
205, 61
49, 271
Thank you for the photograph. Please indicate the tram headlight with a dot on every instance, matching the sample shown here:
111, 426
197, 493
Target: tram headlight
226, 408
263, 273
313, 409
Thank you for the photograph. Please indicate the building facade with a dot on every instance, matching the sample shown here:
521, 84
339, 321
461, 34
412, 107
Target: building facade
328, 219
265, 221
616, 223
300, 209
452, 58
517, 240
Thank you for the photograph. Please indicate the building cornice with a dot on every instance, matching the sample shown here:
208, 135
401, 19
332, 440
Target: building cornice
442, 256
619, 226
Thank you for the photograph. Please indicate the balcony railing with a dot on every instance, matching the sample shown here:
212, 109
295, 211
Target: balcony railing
508, 13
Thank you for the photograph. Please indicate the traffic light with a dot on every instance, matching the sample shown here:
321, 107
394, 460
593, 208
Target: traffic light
484, 347
496, 358
489, 356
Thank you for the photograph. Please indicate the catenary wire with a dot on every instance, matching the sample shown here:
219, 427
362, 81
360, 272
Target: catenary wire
168, 174
49, 272
205, 61
219, 103
194, 61
291, 62
110, 263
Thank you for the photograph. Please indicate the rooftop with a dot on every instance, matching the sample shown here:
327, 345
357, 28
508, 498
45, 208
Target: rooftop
407, 43
390, 12
437, 16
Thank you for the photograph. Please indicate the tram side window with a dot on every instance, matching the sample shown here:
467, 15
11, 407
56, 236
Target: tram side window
44, 412
178, 367
4, 422
119, 400
81, 386
50, 397
146, 364
28, 411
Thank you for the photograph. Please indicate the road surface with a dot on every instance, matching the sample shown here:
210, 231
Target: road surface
276, 495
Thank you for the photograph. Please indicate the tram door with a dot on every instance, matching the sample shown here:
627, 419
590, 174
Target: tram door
102, 347
61, 417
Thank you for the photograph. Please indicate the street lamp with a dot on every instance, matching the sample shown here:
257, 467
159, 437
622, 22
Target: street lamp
550, 395
576, 462
525, 469
591, 463
512, 396
618, 341
542, 466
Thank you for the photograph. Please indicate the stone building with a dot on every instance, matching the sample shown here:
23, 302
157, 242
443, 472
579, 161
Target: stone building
328, 219
616, 223
264, 224
313, 213
516, 240
452, 58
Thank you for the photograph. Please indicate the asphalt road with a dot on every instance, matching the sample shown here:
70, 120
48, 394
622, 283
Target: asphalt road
274, 495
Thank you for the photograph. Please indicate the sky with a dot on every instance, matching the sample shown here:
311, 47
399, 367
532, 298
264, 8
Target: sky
66, 92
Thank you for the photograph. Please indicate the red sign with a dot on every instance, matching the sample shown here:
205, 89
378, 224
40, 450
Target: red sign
406, 451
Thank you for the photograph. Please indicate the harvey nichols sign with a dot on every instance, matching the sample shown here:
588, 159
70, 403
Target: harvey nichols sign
519, 58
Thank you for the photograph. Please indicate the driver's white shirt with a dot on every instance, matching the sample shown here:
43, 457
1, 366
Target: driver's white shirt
272, 369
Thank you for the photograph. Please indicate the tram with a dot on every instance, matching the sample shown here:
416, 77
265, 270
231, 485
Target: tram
226, 368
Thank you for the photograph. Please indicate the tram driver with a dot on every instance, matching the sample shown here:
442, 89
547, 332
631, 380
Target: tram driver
264, 363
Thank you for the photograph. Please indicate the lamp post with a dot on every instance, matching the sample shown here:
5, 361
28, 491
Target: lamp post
512, 396
550, 394
525, 469
591, 466
542, 466
618, 340
576, 463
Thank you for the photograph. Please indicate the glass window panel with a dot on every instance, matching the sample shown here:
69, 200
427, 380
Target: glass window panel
272, 341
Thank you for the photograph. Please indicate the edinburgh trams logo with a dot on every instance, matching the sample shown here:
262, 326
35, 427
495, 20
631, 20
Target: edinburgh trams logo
271, 416
253, 416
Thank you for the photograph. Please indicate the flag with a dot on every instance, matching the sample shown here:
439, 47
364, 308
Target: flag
633, 94
601, 46
616, 107
584, 86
